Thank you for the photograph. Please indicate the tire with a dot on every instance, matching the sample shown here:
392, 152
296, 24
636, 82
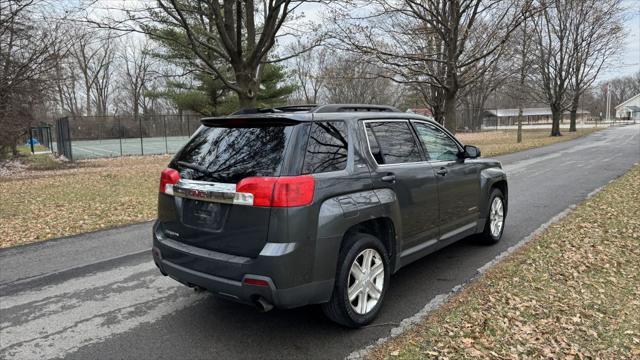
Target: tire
490, 235
358, 313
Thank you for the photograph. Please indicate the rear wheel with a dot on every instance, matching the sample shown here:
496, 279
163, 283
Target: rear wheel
361, 281
494, 227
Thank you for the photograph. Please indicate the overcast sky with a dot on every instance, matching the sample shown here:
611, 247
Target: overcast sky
629, 59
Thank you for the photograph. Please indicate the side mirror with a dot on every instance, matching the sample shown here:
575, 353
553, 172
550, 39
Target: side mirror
471, 151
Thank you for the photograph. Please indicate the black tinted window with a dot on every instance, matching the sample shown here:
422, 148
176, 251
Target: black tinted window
327, 147
392, 142
438, 144
228, 154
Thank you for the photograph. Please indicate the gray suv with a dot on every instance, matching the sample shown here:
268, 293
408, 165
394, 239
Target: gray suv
311, 204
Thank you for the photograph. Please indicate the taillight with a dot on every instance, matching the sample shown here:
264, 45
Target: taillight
284, 191
168, 178
293, 191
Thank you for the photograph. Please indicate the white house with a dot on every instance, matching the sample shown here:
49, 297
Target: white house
630, 109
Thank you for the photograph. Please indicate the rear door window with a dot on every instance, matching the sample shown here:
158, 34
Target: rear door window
327, 148
229, 154
392, 142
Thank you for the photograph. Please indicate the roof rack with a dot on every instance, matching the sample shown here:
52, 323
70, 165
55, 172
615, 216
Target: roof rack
354, 108
247, 111
297, 108
318, 109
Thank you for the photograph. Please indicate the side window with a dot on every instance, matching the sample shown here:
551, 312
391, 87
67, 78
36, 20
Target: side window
438, 144
392, 142
327, 147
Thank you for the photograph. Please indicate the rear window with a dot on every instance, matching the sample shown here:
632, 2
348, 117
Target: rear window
392, 142
230, 154
327, 148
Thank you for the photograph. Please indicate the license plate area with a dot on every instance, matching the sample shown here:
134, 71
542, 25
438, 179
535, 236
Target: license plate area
203, 214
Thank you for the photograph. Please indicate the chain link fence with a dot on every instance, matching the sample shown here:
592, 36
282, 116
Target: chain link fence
110, 136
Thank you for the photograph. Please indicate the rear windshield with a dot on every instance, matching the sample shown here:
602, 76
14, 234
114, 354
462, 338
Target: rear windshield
230, 154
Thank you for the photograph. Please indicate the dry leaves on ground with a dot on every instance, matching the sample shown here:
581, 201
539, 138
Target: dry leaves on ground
93, 195
494, 143
572, 293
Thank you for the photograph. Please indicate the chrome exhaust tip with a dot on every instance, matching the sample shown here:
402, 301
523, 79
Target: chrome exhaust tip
262, 304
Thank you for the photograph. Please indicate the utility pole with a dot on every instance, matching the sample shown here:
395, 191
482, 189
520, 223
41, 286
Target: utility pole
608, 100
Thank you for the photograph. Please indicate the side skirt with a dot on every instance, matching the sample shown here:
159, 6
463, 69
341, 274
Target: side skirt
419, 251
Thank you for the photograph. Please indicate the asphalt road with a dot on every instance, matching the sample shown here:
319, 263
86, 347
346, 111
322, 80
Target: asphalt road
100, 296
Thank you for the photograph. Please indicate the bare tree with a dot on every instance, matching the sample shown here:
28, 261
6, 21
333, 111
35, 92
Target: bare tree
67, 82
307, 69
596, 36
27, 63
103, 71
435, 45
525, 64
555, 56
474, 97
137, 71
94, 53
572, 41
347, 79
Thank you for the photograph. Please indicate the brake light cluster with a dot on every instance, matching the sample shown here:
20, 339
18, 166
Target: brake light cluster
168, 178
283, 191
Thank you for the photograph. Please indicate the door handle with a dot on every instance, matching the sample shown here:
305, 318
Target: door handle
389, 178
442, 171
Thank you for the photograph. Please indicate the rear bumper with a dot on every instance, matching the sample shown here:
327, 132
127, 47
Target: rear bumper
224, 274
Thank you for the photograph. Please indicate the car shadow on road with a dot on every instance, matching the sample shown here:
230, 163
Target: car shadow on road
219, 326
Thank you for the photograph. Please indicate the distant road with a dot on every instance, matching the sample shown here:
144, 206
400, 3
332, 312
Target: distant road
100, 296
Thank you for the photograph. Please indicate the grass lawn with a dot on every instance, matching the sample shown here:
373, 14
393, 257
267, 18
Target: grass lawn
54, 198
59, 199
571, 293
494, 143
26, 149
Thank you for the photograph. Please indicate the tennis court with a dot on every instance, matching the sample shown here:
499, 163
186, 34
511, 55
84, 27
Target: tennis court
88, 149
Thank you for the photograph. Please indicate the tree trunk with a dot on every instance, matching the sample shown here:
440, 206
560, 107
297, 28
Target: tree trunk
248, 94
88, 94
438, 114
450, 121
14, 148
520, 116
245, 101
556, 115
574, 111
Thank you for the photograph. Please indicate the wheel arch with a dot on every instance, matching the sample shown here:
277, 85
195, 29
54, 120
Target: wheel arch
492, 178
374, 212
382, 228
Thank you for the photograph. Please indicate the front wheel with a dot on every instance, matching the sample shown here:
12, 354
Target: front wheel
361, 282
494, 227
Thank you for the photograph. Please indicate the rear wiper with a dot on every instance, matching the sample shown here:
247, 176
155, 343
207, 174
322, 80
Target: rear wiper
194, 167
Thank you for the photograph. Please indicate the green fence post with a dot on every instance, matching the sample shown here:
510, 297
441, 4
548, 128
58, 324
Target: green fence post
31, 139
120, 133
140, 125
166, 144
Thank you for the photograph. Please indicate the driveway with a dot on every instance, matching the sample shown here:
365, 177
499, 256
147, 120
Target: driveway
100, 296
